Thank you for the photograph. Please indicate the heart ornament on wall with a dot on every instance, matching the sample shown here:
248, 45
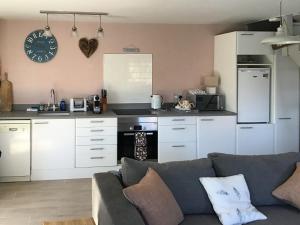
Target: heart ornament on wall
88, 46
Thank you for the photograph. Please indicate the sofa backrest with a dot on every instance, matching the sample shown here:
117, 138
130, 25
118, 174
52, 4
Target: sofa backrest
181, 177
263, 173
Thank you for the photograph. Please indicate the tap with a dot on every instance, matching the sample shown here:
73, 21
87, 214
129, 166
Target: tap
52, 99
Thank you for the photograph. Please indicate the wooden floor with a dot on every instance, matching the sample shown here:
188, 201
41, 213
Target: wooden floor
31, 203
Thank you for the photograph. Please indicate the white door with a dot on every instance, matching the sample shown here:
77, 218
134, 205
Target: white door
255, 139
286, 105
216, 134
253, 95
53, 144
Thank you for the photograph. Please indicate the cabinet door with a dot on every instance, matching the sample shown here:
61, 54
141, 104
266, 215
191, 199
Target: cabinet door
286, 135
249, 43
53, 144
255, 139
216, 134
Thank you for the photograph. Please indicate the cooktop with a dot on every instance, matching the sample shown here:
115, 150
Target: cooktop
133, 111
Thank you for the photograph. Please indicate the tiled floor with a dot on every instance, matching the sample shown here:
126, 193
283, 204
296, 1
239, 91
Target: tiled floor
31, 203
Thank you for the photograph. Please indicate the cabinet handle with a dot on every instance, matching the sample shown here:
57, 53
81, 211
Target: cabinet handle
99, 157
178, 146
96, 149
285, 118
207, 119
178, 119
178, 128
13, 129
97, 130
247, 34
246, 128
46, 122
97, 139
97, 121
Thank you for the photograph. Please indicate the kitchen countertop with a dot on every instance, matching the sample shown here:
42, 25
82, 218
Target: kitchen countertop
161, 113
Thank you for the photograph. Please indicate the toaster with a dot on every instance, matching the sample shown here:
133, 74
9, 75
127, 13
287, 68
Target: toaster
78, 105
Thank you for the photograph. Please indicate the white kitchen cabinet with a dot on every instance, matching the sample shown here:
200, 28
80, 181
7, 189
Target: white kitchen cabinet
255, 139
176, 138
286, 109
53, 144
249, 43
216, 134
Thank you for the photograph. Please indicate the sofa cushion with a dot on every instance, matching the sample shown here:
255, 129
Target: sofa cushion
277, 215
181, 177
155, 200
263, 173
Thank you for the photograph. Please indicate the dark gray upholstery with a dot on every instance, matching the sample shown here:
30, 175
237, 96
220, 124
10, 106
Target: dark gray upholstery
114, 208
262, 173
181, 177
277, 215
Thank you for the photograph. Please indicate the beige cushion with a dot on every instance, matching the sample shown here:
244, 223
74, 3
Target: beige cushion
290, 190
154, 199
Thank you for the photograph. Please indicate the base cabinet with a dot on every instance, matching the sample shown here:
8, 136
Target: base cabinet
255, 139
53, 144
216, 134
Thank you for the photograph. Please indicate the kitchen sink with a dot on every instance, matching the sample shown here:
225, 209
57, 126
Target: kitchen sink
54, 113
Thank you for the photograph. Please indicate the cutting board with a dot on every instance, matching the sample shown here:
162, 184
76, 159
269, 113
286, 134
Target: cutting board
6, 95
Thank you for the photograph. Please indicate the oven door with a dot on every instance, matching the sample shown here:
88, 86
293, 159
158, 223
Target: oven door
126, 141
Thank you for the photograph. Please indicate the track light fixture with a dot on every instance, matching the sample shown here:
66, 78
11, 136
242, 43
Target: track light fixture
100, 31
47, 31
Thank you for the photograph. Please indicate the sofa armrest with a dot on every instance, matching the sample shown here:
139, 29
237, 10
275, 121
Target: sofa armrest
110, 207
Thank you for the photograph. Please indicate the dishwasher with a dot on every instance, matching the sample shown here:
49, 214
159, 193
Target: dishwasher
14, 150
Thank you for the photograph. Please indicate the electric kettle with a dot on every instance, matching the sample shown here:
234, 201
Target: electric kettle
156, 101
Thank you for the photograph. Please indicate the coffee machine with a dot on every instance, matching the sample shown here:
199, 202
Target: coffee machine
96, 104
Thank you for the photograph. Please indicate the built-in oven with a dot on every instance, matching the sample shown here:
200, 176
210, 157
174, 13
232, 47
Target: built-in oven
128, 127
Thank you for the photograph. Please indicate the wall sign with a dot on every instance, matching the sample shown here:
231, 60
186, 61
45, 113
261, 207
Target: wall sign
39, 48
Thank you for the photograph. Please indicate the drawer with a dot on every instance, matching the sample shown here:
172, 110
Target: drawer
96, 158
177, 151
104, 148
96, 131
176, 133
96, 122
162, 121
97, 140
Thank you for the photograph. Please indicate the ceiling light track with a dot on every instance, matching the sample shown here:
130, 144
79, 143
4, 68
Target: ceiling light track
74, 12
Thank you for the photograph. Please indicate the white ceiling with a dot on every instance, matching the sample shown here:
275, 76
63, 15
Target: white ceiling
155, 11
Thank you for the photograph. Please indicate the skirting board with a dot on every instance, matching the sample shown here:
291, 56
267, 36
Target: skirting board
76, 173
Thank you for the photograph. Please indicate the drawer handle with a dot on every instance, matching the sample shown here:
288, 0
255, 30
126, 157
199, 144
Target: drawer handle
99, 157
178, 120
285, 118
97, 121
247, 34
96, 149
97, 130
246, 128
13, 129
46, 122
178, 146
97, 139
178, 128
207, 119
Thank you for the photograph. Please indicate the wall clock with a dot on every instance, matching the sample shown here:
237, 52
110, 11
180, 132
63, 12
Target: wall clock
40, 48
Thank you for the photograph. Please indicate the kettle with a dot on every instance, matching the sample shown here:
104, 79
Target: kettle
156, 101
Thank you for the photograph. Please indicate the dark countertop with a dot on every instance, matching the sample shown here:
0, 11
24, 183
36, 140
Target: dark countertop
19, 115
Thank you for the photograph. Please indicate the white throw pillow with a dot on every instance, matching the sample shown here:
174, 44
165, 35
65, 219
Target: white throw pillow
230, 198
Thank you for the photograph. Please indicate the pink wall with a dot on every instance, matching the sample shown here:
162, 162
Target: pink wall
181, 55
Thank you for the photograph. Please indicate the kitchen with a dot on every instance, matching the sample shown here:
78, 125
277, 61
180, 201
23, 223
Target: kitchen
70, 74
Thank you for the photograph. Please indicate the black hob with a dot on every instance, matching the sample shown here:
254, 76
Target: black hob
133, 111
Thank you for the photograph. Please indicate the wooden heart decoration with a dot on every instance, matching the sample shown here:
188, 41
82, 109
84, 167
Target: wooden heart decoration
88, 47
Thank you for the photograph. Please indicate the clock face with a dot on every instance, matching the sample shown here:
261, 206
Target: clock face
40, 48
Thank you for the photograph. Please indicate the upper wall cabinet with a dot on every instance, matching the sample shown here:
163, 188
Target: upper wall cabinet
249, 43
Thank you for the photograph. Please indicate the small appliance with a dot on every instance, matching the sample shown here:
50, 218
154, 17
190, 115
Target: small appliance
96, 104
208, 102
156, 101
78, 105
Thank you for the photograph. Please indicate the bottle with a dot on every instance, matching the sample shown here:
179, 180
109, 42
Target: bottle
104, 100
62, 105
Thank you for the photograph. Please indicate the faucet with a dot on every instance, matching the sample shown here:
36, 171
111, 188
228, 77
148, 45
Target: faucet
52, 99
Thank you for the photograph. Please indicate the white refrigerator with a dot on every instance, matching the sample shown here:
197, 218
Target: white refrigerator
254, 95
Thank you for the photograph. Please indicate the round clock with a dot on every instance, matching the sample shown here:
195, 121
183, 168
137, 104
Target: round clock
40, 48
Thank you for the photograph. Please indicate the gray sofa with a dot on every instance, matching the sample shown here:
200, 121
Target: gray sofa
262, 173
